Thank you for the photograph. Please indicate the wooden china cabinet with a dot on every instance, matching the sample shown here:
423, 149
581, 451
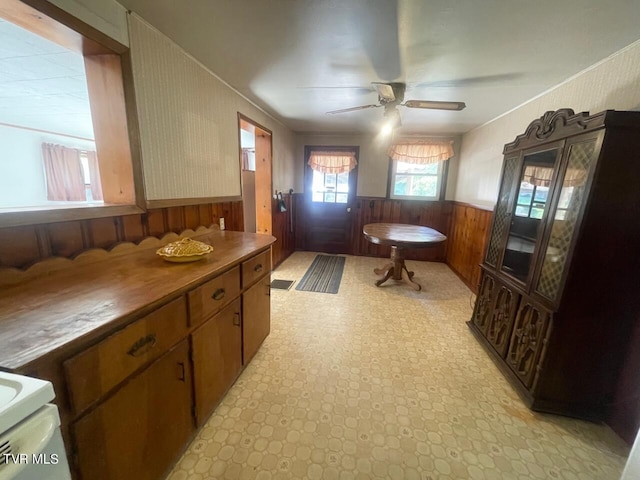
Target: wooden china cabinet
558, 294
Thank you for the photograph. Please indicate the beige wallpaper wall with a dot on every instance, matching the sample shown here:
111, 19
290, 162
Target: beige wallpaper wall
189, 126
373, 167
613, 84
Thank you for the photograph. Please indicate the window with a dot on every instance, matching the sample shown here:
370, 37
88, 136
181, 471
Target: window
62, 89
416, 181
330, 187
531, 200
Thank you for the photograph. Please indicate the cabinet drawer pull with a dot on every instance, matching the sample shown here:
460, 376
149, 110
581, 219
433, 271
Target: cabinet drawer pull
257, 268
218, 294
182, 376
236, 319
143, 345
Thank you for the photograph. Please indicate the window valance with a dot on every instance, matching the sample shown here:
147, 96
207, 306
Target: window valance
541, 176
332, 161
421, 152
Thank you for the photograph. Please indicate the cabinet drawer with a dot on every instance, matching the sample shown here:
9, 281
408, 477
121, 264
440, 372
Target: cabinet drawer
212, 296
256, 267
98, 369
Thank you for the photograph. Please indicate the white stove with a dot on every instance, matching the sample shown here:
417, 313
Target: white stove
31, 445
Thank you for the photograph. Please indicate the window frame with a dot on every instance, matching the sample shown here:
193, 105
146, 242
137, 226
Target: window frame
441, 187
51, 22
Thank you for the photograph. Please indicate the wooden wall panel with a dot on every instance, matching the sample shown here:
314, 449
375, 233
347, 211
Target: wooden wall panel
282, 229
65, 239
375, 210
19, 246
22, 246
133, 228
468, 238
103, 232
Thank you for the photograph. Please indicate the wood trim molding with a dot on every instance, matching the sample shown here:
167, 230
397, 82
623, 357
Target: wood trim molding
95, 42
473, 205
11, 276
53, 215
181, 202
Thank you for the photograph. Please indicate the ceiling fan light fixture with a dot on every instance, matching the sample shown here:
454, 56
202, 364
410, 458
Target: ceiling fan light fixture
457, 106
385, 91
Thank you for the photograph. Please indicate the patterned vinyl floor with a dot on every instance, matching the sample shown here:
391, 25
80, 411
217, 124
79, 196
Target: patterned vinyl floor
385, 383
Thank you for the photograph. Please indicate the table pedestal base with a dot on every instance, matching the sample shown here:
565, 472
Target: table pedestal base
396, 269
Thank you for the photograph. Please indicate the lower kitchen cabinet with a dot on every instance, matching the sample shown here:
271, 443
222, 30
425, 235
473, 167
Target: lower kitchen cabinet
140, 430
256, 317
217, 358
140, 351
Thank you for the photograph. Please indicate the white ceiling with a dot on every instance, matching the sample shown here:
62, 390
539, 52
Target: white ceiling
301, 58
42, 85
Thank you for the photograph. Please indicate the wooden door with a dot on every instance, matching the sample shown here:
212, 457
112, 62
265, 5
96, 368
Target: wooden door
328, 202
263, 181
527, 341
139, 432
484, 302
256, 318
498, 330
217, 358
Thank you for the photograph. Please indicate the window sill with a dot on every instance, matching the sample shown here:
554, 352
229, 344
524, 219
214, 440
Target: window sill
63, 213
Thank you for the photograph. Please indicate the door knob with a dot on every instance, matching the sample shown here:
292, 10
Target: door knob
348, 209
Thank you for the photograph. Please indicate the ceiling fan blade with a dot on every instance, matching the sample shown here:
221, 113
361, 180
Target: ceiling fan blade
479, 81
385, 90
434, 105
353, 109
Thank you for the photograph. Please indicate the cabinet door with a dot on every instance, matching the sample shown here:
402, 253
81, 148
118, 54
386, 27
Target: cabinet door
581, 159
217, 358
484, 302
530, 331
139, 432
530, 211
256, 318
502, 214
501, 320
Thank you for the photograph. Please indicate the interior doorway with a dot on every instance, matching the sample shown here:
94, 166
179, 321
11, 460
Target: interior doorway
255, 168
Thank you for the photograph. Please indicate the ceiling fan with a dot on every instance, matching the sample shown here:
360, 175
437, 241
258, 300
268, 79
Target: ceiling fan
391, 95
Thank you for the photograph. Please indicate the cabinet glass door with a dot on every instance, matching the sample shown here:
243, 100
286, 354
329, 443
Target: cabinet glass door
529, 209
582, 157
501, 215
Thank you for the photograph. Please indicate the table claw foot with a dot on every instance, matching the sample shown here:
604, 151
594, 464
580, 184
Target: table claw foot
407, 277
386, 277
383, 270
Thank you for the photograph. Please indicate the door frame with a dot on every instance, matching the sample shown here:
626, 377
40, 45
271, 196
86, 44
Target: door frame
264, 181
353, 187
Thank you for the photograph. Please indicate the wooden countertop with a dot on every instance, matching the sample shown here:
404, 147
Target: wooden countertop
82, 303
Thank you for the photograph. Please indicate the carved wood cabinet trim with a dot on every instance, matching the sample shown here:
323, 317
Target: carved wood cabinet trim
558, 302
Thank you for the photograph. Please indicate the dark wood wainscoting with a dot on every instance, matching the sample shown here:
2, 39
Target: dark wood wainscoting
25, 245
467, 240
383, 210
283, 228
